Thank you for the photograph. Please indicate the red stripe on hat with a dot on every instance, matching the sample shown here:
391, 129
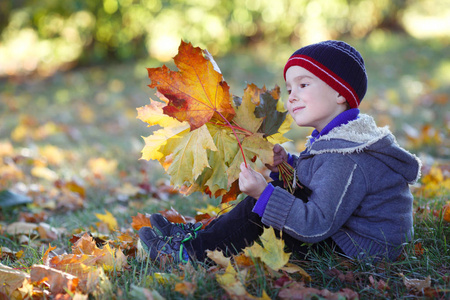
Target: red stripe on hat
325, 74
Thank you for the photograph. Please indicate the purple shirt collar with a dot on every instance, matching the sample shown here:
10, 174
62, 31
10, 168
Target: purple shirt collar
341, 119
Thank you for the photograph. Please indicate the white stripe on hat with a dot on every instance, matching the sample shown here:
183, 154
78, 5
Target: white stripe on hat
355, 98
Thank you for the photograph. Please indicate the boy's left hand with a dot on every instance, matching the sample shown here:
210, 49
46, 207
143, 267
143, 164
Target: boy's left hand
251, 182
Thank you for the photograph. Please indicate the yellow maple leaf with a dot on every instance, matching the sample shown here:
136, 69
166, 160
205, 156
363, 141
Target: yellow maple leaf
230, 281
153, 113
271, 252
233, 281
245, 112
253, 146
218, 257
108, 219
11, 279
191, 156
156, 144
279, 138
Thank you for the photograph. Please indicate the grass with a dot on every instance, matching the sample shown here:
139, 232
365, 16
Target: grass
93, 115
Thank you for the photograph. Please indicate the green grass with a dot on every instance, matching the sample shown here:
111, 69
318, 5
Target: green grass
94, 112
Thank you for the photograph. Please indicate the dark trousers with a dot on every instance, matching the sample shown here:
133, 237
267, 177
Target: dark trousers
238, 229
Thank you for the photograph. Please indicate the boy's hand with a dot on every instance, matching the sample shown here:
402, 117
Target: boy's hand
279, 155
251, 182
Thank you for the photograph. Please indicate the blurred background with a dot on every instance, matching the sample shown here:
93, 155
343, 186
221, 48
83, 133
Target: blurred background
72, 73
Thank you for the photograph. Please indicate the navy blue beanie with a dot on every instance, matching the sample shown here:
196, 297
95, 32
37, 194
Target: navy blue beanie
336, 63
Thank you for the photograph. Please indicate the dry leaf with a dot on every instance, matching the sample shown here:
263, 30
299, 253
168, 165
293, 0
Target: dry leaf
58, 281
272, 252
230, 281
186, 288
197, 93
21, 228
416, 284
108, 219
291, 269
11, 279
218, 257
173, 216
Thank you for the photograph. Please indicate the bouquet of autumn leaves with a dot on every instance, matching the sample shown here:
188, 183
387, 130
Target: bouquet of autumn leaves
205, 133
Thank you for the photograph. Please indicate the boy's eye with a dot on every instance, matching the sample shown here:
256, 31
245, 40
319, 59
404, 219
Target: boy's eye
303, 85
289, 92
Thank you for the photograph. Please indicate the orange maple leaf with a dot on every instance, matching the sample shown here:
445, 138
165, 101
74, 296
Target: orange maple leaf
197, 93
173, 216
140, 221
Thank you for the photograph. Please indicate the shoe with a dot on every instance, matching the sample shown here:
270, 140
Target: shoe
164, 227
155, 247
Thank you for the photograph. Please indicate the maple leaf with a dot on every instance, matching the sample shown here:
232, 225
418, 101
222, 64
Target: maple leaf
173, 216
106, 257
11, 279
57, 280
186, 288
253, 146
230, 281
271, 252
140, 221
206, 158
172, 128
218, 257
191, 156
197, 92
108, 219
245, 116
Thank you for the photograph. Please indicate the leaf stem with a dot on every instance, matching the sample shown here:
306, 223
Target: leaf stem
232, 128
248, 132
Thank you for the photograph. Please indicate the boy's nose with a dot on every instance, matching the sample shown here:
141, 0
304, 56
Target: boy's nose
292, 97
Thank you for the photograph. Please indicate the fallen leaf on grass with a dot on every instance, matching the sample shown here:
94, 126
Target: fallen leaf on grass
379, 285
140, 221
101, 166
291, 269
108, 219
186, 288
348, 277
230, 281
107, 257
173, 216
418, 285
58, 281
11, 279
272, 252
218, 257
21, 228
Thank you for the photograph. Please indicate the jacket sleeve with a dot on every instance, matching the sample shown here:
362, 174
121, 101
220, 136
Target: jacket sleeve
338, 187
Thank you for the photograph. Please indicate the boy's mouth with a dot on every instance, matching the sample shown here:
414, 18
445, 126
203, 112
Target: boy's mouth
296, 109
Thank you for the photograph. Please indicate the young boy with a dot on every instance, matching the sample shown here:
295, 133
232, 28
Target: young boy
360, 204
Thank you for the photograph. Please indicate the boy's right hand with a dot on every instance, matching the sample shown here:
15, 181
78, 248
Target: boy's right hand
279, 155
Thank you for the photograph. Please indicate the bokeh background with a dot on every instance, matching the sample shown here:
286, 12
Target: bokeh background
72, 73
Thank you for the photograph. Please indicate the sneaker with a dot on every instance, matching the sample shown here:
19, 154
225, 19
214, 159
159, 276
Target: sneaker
164, 227
155, 247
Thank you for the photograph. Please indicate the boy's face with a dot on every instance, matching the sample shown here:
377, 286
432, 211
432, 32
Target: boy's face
311, 101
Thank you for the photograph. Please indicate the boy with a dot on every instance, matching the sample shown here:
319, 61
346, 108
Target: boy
360, 204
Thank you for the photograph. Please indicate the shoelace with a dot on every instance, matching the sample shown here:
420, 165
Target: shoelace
170, 240
189, 227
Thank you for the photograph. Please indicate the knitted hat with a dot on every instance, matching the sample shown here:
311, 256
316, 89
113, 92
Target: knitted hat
336, 63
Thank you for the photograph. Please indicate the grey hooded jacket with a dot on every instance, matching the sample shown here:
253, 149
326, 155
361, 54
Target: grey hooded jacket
360, 180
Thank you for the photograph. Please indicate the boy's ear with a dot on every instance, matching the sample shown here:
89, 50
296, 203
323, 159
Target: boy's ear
340, 99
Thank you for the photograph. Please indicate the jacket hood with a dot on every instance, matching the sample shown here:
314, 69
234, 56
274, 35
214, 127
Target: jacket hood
363, 135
